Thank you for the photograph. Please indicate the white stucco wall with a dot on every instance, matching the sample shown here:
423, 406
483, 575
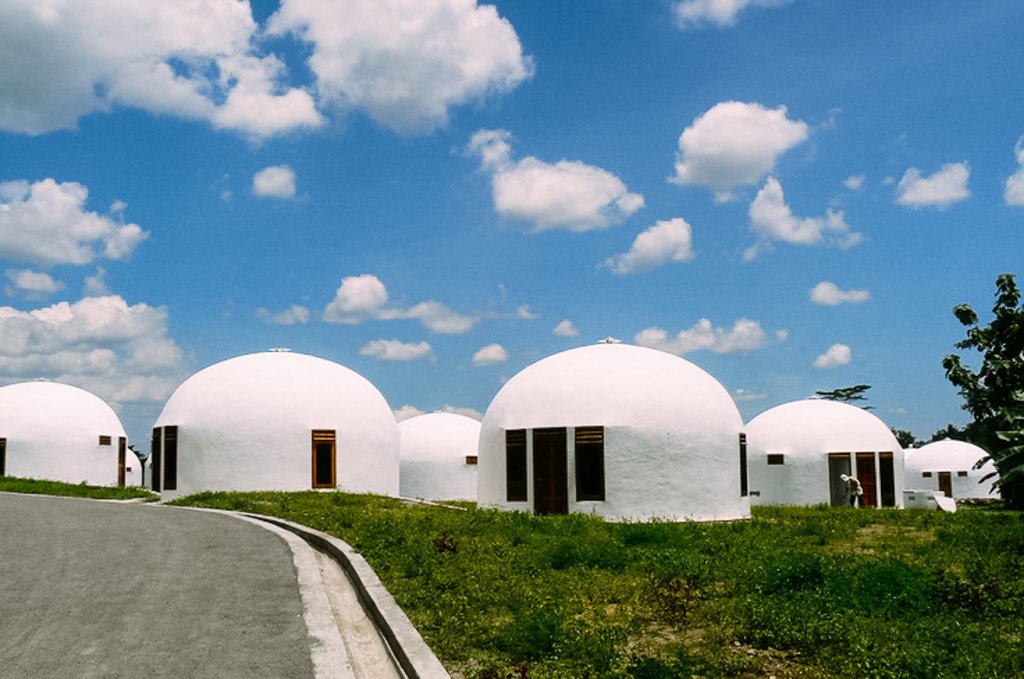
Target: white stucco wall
53, 431
246, 424
805, 432
951, 456
671, 432
433, 456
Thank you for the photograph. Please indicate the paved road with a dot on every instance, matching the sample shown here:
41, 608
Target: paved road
98, 589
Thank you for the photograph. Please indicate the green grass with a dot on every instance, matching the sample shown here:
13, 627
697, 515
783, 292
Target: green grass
794, 592
14, 484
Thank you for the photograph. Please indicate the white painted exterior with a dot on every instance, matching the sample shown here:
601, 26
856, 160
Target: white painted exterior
246, 424
804, 433
53, 432
955, 457
433, 456
671, 433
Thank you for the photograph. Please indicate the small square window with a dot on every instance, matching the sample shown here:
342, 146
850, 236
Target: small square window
926, 475
105, 440
471, 459
961, 473
776, 458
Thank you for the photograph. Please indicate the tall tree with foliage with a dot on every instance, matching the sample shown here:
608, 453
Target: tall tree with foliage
994, 394
846, 394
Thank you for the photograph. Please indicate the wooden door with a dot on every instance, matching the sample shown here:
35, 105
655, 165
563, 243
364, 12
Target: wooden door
122, 443
550, 472
946, 483
866, 476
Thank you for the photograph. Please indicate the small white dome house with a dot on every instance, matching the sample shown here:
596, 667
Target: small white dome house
616, 430
58, 432
948, 466
438, 457
275, 421
800, 451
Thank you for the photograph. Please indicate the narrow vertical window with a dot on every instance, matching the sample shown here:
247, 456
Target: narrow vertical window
122, 450
887, 478
324, 459
515, 465
3, 457
155, 446
743, 465
170, 458
589, 463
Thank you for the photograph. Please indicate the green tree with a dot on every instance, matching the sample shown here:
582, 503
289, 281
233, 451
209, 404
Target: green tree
906, 438
994, 394
846, 394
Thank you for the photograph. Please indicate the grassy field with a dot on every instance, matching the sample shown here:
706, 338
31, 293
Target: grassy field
794, 592
14, 484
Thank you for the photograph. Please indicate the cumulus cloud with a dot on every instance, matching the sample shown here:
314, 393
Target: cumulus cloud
943, 188
30, 284
568, 194
735, 143
118, 351
836, 355
363, 298
566, 329
720, 13
827, 293
667, 241
276, 181
1015, 183
855, 182
405, 63
181, 58
489, 355
395, 350
524, 312
745, 335
296, 314
46, 223
407, 411
773, 220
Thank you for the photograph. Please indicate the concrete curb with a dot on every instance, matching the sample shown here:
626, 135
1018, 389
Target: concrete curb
412, 654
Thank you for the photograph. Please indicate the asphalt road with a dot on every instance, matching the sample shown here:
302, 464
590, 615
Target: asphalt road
99, 589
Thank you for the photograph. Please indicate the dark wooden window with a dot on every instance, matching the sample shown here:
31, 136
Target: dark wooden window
887, 478
105, 440
776, 458
926, 475
170, 458
866, 476
324, 459
3, 457
155, 446
515, 465
122, 450
961, 473
589, 463
471, 459
550, 471
743, 466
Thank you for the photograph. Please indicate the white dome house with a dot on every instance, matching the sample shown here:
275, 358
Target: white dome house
799, 451
275, 421
948, 466
621, 431
438, 458
58, 432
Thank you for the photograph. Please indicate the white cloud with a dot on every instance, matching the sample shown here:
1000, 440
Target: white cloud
828, 293
742, 395
568, 194
31, 284
566, 329
667, 241
296, 314
836, 355
855, 182
405, 63
745, 335
395, 350
363, 298
193, 60
734, 143
941, 189
407, 411
773, 220
720, 13
120, 352
96, 285
276, 181
45, 223
489, 355
1015, 183
524, 312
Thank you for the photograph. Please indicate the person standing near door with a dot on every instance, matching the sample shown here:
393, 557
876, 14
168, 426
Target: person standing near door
852, 489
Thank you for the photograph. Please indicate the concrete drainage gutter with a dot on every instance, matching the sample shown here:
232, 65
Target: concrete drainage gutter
412, 654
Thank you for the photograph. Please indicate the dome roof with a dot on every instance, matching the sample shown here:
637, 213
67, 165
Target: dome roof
613, 384
439, 436
947, 455
48, 409
814, 426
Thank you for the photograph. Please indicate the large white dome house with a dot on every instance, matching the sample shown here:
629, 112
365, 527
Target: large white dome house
58, 432
948, 466
439, 456
275, 421
616, 430
800, 450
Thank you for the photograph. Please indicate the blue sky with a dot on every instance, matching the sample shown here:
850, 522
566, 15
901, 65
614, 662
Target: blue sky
792, 195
